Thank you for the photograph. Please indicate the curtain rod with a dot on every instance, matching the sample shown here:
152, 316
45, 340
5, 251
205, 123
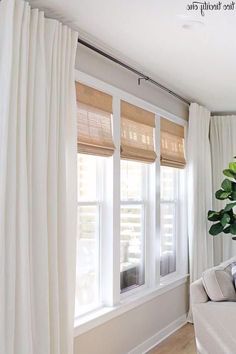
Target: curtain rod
140, 75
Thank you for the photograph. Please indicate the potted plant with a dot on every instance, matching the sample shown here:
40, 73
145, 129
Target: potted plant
225, 219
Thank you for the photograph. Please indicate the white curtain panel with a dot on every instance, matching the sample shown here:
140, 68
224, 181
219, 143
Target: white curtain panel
37, 182
223, 150
199, 191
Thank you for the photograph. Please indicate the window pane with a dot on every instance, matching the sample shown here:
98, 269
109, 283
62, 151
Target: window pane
168, 249
131, 247
87, 270
131, 180
168, 183
87, 177
169, 196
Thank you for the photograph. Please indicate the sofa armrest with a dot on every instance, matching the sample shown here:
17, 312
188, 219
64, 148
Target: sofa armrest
197, 293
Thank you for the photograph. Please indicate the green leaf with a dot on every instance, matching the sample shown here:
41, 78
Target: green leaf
229, 173
216, 229
232, 166
225, 219
227, 230
233, 229
226, 185
229, 206
220, 194
213, 215
233, 195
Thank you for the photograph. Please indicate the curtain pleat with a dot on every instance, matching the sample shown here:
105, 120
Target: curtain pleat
223, 150
37, 182
199, 191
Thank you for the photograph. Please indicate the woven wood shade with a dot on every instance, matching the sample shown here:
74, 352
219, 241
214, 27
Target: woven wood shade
137, 114
93, 98
137, 128
94, 131
172, 144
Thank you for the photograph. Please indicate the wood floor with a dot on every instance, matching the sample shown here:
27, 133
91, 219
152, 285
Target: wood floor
181, 342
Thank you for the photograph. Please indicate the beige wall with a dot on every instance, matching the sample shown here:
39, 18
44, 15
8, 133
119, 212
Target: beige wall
120, 335
95, 65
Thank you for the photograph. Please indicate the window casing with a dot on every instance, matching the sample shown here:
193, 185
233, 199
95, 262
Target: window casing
115, 206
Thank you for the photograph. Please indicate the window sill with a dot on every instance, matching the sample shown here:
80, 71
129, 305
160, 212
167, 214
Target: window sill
96, 318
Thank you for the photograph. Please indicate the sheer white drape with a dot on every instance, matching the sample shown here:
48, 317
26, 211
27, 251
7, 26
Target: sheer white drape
199, 191
223, 150
37, 182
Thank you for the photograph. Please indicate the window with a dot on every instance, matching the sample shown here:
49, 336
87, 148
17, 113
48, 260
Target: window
137, 146
131, 204
88, 240
172, 161
132, 235
94, 143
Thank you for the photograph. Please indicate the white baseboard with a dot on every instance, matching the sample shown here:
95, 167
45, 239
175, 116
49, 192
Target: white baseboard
159, 336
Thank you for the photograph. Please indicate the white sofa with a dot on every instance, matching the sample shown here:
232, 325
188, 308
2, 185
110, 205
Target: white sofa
215, 321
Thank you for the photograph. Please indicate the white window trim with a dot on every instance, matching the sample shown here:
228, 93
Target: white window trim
113, 303
124, 95
105, 314
111, 218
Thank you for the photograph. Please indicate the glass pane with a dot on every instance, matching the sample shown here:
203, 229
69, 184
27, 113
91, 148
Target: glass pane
87, 177
169, 196
168, 249
131, 180
168, 183
131, 247
87, 268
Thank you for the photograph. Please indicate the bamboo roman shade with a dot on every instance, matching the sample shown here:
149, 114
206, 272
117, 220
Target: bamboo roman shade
94, 132
172, 144
137, 129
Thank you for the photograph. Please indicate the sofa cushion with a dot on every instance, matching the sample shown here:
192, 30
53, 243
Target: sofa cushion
214, 324
198, 293
219, 284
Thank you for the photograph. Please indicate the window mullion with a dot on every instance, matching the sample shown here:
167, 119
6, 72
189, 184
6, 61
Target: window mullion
88, 203
182, 244
156, 241
153, 216
110, 257
132, 202
116, 200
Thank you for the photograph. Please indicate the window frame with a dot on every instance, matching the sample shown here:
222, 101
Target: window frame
110, 215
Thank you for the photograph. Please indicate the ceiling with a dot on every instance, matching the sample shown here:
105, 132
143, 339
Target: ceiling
195, 59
